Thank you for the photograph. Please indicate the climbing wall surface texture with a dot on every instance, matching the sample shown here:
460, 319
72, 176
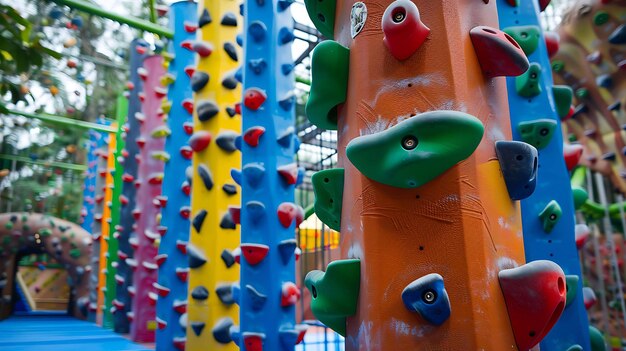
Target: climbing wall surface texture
535, 119
268, 294
174, 228
592, 60
147, 203
89, 190
429, 228
67, 242
121, 305
213, 234
109, 290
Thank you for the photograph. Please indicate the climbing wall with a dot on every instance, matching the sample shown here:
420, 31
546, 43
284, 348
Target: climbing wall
548, 213
431, 236
268, 293
47, 287
591, 59
174, 228
66, 242
89, 187
148, 201
121, 305
213, 234
109, 282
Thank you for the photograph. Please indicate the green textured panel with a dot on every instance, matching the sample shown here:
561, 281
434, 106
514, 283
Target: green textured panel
334, 293
537, 133
527, 85
563, 96
550, 216
322, 14
328, 188
329, 67
416, 150
526, 36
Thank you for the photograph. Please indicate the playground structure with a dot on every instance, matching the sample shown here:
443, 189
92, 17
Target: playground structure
447, 206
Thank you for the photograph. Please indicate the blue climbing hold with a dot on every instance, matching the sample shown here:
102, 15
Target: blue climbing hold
428, 297
287, 248
518, 162
255, 210
257, 65
257, 31
253, 172
257, 300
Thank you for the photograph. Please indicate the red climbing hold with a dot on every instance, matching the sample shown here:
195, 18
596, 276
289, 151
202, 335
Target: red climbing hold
152, 298
187, 44
254, 253
589, 297
190, 27
552, 43
290, 294
535, 298
186, 152
253, 341
253, 135
161, 229
403, 29
186, 188
188, 127
160, 259
160, 92
253, 98
203, 49
572, 154
161, 290
289, 173
156, 179
185, 212
543, 4
498, 53
161, 324
287, 213
181, 246
128, 178
188, 105
180, 306
141, 142
582, 234
182, 274
200, 140
235, 214
179, 343
190, 70
136, 214
162, 199
143, 73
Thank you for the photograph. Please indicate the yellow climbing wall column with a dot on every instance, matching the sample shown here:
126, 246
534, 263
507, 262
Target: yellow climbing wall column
213, 233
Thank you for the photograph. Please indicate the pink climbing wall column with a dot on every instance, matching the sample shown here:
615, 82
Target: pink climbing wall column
148, 201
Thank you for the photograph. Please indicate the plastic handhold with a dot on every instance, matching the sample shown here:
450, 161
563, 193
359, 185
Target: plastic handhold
528, 84
254, 253
580, 196
604, 81
182, 246
328, 189
572, 154
253, 135
334, 293
329, 67
227, 222
221, 330
197, 327
571, 284
230, 50
287, 248
518, 162
229, 189
253, 98
428, 297
543, 4
206, 110
287, 101
290, 294
205, 175
257, 31
582, 93
285, 36
190, 70
226, 140
552, 40
235, 214
179, 343
257, 300
535, 298
229, 82
229, 19
160, 132
256, 210
282, 5
182, 274
203, 49
257, 65
537, 133
239, 74
286, 68
236, 175
416, 150
403, 29
287, 213
498, 53
589, 297
289, 337
253, 341
161, 290
563, 97
200, 140
227, 258
199, 80
199, 293
253, 173
289, 173
527, 37
597, 340
618, 36
581, 234
198, 219
196, 258
550, 216
225, 294
205, 18
284, 138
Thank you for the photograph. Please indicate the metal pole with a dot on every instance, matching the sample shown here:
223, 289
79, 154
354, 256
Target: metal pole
53, 164
59, 120
128, 20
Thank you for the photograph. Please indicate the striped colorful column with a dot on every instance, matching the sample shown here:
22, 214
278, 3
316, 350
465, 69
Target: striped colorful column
148, 201
534, 104
174, 229
89, 187
268, 293
213, 234
121, 305
109, 289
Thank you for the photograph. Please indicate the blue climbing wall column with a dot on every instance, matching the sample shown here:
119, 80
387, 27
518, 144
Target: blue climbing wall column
548, 234
86, 212
269, 217
173, 269
124, 272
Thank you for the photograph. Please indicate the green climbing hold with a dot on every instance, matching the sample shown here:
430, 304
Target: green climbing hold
334, 293
8, 225
24, 218
571, 287
600, 18
575, 348
582, 93
526, 36
528, 85
45, 232
572, 137
329, 67
322, 14
558, 66
416, 150
580, 196
328, 189
25, 228
52, 223
563, 96
64, 239
550, 216
597, 340
75, 253
537, 133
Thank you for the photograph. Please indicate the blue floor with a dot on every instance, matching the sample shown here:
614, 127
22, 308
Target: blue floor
59, 333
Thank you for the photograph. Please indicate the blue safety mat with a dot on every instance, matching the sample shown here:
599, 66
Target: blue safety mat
59, 333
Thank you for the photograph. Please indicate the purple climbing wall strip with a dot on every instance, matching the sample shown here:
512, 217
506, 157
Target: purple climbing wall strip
174, 228
148, 200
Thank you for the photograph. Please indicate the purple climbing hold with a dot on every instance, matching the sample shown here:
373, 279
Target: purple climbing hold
205, 175
231, 51
225, 293
230, 82
196, 258
227, 222
197, 327
199, 80
198, 220
229, 189
205, 18
200, 293
226, 140
206, 110
229, 19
